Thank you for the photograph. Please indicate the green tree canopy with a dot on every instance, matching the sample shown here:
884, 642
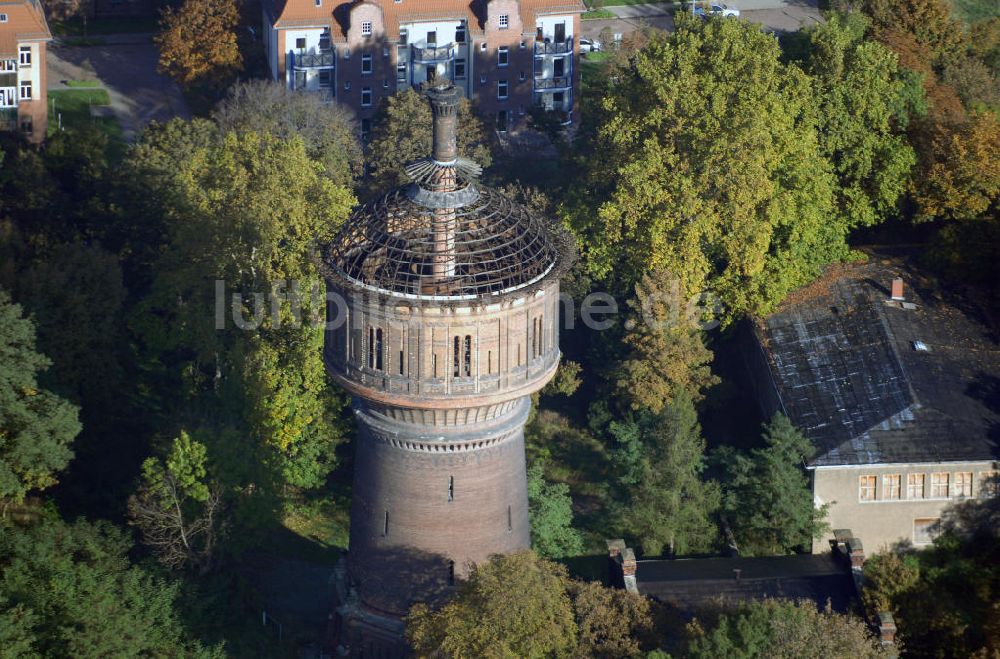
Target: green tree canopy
69, 590
511, 606
708, 165
36, 426
550, 510
401, 133
668, 505
784, 630
860, 89
767, 500
329, 131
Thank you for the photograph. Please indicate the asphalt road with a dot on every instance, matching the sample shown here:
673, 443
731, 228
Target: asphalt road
126, 65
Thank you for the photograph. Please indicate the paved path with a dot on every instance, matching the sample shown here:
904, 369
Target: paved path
773, 15
126, 65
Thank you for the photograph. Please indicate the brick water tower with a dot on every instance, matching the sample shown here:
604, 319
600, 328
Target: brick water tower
448, 323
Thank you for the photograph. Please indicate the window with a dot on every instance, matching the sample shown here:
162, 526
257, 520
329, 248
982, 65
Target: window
366, 64
366, 28
300, 43
924, 530
434, 365
451, 564
366, 97
401, 72
559, 67
347, 53
963, 484
319, 3
482, 80
867, 488
7, 66
891, 486
3, 18
385, 525
939, 486
25, 91
375, 348
432, 37
24, 54
324, 40
504, 21
989, 484
460, 34
455, 357
524, 75
451, 488
459, 69
558, 99
482, 46
914, 486
27, 127
347, 85
510, 520
489, 362
468, 356
366, 128
385, 83
502, 90
503, 56
403, 36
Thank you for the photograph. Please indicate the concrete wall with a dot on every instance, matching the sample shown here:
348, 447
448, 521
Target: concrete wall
884, 521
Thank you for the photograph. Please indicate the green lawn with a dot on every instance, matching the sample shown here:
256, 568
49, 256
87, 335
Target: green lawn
70, 108
972, 11
83, 83
598, 14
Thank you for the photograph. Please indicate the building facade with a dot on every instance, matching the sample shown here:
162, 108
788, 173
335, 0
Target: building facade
442, 321
896, 390
24, 35
506, 55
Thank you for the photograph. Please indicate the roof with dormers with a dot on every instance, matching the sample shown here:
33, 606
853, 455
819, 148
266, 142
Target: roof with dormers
25, 22
306, 13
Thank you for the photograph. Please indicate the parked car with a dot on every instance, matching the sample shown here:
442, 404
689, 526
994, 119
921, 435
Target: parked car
589, 45
717, 10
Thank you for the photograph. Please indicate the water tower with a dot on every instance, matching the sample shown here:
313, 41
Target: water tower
449, 322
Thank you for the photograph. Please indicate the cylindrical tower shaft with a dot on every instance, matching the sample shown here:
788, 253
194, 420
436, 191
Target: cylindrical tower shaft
444, 99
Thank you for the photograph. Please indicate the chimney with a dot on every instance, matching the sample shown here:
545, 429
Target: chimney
897, 289
444, 98
628, 562
886, 628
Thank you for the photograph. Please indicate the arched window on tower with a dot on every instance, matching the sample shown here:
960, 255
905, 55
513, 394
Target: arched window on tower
468, 355
378, 349
455, 358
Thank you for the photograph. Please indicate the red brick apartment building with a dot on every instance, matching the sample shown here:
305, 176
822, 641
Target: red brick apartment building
506, 55
23, 38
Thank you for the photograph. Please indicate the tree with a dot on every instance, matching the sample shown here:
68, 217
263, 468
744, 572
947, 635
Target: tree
248, 210
198, 42
784, 630
669, 506
402, 133
62, 10
859, 89
36, 426
707, 165
329, 131
612, 622
72, 592
666, 350
550, 510
178, 508
766, 499
513, 605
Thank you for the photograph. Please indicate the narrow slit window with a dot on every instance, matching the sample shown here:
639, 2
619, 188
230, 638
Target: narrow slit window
434, 365
541, 334
378, 349
385, 525
400, 362
468, 355
451, 573
371, 347
510, 520
451, 488
518, 354
489, 362
455, 357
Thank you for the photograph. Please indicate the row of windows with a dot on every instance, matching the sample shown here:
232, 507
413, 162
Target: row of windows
23, 58
942, 485
9, 95
461, 351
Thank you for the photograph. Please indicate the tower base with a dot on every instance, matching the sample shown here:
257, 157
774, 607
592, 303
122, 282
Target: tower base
357, 630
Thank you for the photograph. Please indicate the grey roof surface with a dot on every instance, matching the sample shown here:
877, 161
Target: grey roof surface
690, 584
847, 372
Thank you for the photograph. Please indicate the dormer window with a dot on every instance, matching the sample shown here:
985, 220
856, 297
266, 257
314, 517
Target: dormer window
504, 21
366, 28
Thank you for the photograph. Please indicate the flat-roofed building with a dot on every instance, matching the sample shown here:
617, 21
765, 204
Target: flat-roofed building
506, 55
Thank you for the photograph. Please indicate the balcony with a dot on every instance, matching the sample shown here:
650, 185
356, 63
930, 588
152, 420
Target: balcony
321, 60
8, 119
553, 84
553, 48
433, 54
